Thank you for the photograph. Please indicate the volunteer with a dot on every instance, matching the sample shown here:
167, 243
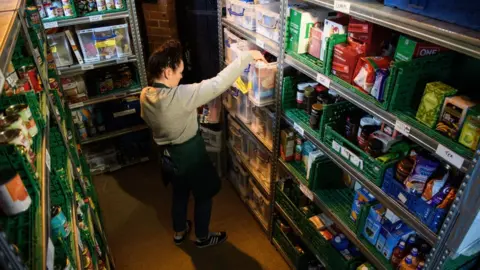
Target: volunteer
170, 110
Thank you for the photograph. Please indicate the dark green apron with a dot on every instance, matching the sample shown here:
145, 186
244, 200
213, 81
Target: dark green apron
191, 166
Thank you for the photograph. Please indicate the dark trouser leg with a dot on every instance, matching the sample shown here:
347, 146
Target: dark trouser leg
203, 211
179, 207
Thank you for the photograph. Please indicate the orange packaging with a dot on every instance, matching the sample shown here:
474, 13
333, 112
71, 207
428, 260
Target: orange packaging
364, 75
14, 197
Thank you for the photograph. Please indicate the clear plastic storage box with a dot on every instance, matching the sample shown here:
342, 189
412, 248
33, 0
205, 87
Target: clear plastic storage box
268, 21
241, 13
261, 84
62, 54
104, 43
229, 39
244, 108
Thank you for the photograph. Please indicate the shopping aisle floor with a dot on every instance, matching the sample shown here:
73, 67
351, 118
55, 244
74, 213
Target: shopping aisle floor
136, 211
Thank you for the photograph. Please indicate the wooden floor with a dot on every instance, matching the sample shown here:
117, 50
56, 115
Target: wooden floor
136, 211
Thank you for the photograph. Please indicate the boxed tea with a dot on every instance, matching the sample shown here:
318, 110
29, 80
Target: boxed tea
432, 101
301, 21
409, 48
470, 134
453, 114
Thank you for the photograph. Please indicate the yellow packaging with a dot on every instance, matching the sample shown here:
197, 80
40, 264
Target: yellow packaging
470, 134
432, 102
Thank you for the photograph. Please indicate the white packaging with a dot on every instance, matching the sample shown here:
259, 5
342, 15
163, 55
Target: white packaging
268, 21
330, 28
301, 20
14, 197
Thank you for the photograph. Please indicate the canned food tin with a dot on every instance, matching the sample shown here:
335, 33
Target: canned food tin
60, 225
14, 198
50, 10
26, 114
110, 4
41, 11
101, 5
23, 85
32, 15
65, 2
32, 77
67, 10
15, 122
16, 137
119, 4
53, 84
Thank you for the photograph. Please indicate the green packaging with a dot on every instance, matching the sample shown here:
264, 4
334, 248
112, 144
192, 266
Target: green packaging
432, 102
470, 134
301, 21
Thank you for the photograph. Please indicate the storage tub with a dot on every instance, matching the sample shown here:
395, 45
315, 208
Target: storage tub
104, 43
229, 39
244, 108
462, 12
262, 83
241, 13
268, 21
60, 48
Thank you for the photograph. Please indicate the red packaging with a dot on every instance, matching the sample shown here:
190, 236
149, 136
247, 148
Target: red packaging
364, 76
32, 77
373, 36
315, 41
345, 57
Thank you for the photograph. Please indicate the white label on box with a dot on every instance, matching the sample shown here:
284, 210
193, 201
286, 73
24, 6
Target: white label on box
96, 18
50, 254
342, 6
306, 191
261, 43
450, 156
323, 80
87, 67
402, 198
123, 113
356, 160
47, 159
344, 152
298, 129
337, 147
122, 60
76, 105
402, 128
49, 25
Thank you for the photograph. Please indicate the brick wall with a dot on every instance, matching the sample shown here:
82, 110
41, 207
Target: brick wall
160, 22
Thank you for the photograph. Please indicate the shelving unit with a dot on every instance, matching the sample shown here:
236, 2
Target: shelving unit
114, 134
456, 38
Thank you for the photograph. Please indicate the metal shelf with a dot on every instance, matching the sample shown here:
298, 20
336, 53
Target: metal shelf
383, 198
341, 225
260, 141
114, 134
10, 26
87, 19
105, 98
261, 41
445, 34
283, 254
415, 135
116, 168
77, 68
45, 181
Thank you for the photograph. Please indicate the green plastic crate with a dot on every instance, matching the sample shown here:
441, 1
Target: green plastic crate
29, 98
301, 117
63, 247
318, 179
58, 103
74, 14
411, 79
342, 38
299, 260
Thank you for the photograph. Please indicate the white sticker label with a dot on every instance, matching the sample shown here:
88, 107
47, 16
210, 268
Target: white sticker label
87, 67
122, 60
261, 43
298, 129
356, 160
76, 105
49, 25
47, 159
123, 113
336, 146
342, 6
402, 197
402, 128
450, 156
323, 80
96, 18
345, 153
306, 191
50, 254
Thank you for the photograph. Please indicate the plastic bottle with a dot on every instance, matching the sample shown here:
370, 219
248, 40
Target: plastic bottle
410, 243
398, 254
406, 264
414, 254
298, 149
420, 265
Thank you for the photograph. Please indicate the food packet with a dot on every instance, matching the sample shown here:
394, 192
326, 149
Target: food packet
443, 197
365, 71
378, 88
422, 171
434, 186
449, 199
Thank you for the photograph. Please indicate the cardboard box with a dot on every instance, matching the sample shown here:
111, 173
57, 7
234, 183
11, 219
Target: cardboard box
372, 35
410, 48
374, 223
390, 236
362, 196
330, 27
301, 21
287, 144
345, 58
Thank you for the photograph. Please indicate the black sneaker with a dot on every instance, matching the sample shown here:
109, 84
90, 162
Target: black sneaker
213, 239
179, 239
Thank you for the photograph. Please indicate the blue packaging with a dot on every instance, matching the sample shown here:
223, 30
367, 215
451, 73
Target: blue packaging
362, 196
390, 236
374, 223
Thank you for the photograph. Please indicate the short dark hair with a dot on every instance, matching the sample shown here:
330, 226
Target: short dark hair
168, 55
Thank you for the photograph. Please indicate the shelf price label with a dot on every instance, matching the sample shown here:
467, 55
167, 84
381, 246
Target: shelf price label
49, 25
342, 6
87, 67
96, 18
306, 192
299, 129
347, 154
450, 156
323, 80
47, 159
260, 43
402, 127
